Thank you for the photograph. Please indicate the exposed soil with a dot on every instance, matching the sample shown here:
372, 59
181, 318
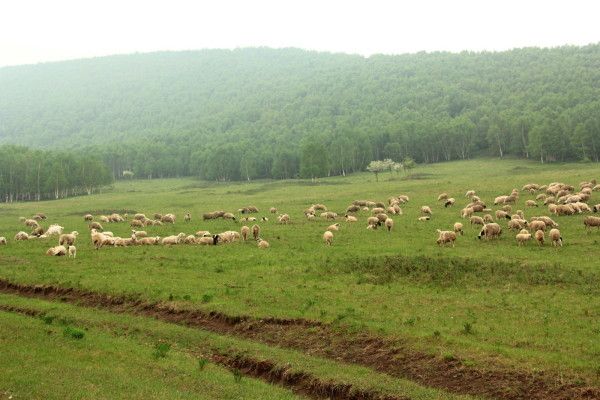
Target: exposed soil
319, 339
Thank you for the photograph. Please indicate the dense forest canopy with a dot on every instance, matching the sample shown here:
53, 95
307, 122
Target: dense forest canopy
251, 113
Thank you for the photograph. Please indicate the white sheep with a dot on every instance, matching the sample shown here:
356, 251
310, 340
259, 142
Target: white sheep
57, 251
55, 229
245, 231
446, 237
328, 237
283, 219
334, 227
555, 236
137, 234
173, 239
389, 224
22, 236
426, 210
262, 244
458, 228
539, 236
523, 236
2, 241
351, 218
68, 238
72, 250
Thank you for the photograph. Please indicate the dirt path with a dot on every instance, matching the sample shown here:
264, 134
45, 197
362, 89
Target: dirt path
319, 339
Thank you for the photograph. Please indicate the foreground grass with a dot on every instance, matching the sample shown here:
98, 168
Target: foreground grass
528, 306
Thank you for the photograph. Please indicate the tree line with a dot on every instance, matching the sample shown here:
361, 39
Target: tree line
27, 175
264, 113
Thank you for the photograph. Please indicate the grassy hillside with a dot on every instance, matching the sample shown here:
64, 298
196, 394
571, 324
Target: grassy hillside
490, 308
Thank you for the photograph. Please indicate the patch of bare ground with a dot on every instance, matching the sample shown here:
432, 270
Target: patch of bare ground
315, 338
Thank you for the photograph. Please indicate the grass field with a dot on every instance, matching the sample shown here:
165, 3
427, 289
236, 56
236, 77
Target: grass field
524, 319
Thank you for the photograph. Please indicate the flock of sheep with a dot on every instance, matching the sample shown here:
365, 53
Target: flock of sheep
560, 198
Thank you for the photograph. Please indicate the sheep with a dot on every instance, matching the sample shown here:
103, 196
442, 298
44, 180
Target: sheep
245, 231
273, 210
72, 250
502, 214
39, 231
466, 212
391, 210
426, 218
249, 219
328, 237
124, 242
2, 241
104, 218
57, 251
490, 231
262, 244
168, 219
470, 193
173, 239
156, 216
93, 225
443, 196
426, 210
283, 219
150, 241
334, 227
531, 203
450, 202
189, 239
212, 215
596, 208
139, 234
590, 221
255, 231
141, 216
54, 229
228, 216
487, 218
202, 233
554, 235
458, 228
403, 198
136, 223
446, 237
22, 236
377, 210
517, 224
507, 208
523, 236
32, 223
352, 208
539, 237
310, 217
329, 215
350, 218
373, 222
88, 217
389, 224
382, 217
108, 233
114, 217
537, 226
476, 220
68, 238
500, 200
208, 240
229, 236
397, 209
187, 217
248, 210
475, 199
547, 220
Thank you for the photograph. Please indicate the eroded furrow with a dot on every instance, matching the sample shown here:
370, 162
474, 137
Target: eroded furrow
319, 339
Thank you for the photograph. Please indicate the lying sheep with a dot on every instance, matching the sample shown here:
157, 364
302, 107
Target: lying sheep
139, 234
389, 224
556, 238
426, 218
57, 251
446, 237
458, 228
490, 231
248, 219
3, 241
450, 202
72, 251
523, 236
104, 218
591, 221
32, 223
334, 227
539, 237
328, 238
350, 218
262, 244
173, 239
149, 241
68, 238
88, 217
22, 236
426, 210
229, 236
208, 240
283, 219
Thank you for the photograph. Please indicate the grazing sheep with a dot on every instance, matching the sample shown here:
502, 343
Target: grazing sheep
373, 222
248, 210
382, 217
537, 226
72, 250
187, 217
174, 239
450, 202
39, 216
334, 227
32, 223
470, 193
310, 217
68, 238
136, 223
245, 231
531, 203
168, 219
273, 210
350, 218
476, 220
596, 208
142, 217
487, 218
590, 222
229, 236
377, 210
502, 214
255, 231
138, 234
539, 237
517, 224
156, 216
523, 236
554, 235
490, 231
500, 200
446, 237
93, 225
507, 208
114, 217
352, 208
329, 215
54, 229
22, 236
426, 210
264, 219
39, 231
466, 212
283, 219
262, 244
458, 228
208, 240
403, 198
389, 224
442, 196
57, 251
88, 217
426, 218
104, 218
2, 241
328, 237
547, 220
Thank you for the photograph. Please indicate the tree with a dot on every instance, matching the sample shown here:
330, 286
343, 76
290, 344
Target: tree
379, 166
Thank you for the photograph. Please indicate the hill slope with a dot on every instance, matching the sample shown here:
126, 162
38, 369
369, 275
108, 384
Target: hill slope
268, 108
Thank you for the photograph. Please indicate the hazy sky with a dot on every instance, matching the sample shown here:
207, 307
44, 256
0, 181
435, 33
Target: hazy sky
48, 30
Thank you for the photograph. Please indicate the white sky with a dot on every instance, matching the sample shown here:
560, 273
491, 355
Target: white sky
48, 30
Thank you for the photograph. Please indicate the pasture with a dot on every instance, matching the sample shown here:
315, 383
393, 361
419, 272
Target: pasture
376, 314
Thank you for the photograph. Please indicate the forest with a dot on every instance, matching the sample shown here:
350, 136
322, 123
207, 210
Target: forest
27, 175
284, 113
